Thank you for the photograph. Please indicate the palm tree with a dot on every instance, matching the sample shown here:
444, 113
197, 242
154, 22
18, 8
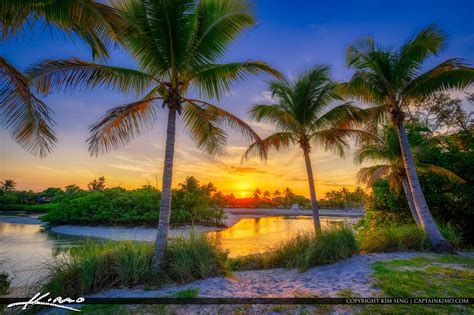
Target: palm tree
386, 150
177, 44
300, 119
8, 185
390, 80
257, 193
276, 193
26, 117
266, 194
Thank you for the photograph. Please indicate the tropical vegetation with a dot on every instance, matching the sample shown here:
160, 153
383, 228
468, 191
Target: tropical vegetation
392, 79
177, 45
303, 116
27, 118
386, 152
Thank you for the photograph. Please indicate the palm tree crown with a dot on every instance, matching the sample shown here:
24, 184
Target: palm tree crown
303, 116
386, 151
391, 80
26, 117
177, 45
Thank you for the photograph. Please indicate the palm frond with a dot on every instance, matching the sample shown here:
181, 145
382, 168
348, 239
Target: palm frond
369, 175
415, 50
96, 23
275, 114
430, 168
336, 139
277, 141
203, 129
342, 115
122, 124
26, 117
451, 74
212, 80
228, 120
72, 73
219, 23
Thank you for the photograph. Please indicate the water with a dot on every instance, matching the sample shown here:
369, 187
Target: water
26, 248
258, 235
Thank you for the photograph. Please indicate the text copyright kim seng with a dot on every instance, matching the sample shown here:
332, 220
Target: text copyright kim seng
408, 301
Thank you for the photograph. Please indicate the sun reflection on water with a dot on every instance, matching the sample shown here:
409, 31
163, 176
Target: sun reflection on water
258, 235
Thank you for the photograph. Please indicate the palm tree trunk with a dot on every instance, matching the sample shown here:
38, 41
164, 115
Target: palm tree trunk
165, 208
411, 204
438, 242
312, 191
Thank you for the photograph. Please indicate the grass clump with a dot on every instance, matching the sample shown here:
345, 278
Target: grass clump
94, 267
195, 258
423, 277
407, 237
304, 251
4, 283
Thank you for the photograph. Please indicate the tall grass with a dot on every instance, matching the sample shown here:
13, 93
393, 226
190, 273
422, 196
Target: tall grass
195, 258
408, 237
304, 251
94, 267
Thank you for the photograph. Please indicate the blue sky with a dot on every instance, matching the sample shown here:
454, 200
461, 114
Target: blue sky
290, 35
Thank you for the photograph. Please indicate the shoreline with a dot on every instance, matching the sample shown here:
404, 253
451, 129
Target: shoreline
141, 233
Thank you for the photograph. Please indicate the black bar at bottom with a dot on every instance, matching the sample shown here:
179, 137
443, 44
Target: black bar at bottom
208, 301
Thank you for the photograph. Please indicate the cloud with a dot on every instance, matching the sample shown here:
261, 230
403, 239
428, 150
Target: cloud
244, 170
265, 97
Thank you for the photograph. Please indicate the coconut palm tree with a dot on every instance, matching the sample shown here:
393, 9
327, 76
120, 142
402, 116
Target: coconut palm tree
386, 150
390, 80
177, 45
303, 116
25, 116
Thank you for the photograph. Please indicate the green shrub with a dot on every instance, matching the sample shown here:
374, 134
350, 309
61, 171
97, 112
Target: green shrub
329, 247
452, 234
303, 252
4, 283
390, 238
191, 204
93, 267
195, 258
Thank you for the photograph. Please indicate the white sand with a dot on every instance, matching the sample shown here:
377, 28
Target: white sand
353, 273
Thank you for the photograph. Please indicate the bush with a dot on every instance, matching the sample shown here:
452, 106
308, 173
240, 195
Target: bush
304, 251
93, 267
407, 237
191, 204
4, 283
391, 238
195, 258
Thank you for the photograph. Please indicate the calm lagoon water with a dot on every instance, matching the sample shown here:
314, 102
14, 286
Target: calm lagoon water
26, 248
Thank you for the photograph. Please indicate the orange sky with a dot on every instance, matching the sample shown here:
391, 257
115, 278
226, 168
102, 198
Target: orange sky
142, 160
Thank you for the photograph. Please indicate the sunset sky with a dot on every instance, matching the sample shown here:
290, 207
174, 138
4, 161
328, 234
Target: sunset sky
290, 35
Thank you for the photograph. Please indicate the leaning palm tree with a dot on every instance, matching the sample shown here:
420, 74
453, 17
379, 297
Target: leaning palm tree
390, 80
177, 45
386, 151
302, 117
25, 116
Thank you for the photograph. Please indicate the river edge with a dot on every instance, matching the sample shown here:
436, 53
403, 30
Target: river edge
117, 233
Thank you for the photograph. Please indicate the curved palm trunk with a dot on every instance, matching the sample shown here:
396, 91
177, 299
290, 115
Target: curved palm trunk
411, 204
312, 191
438, 242
165, 208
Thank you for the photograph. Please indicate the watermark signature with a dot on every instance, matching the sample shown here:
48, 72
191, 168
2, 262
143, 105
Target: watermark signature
44, 300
